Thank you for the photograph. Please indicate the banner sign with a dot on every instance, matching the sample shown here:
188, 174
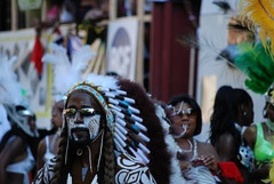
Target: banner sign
29, 4
122, 47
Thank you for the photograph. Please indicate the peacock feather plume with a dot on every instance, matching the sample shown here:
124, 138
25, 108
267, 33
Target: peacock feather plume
261, 13
257, 63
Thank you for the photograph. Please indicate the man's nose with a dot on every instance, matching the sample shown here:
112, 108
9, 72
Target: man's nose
78, 117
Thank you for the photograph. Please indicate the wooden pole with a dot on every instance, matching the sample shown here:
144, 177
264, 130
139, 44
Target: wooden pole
112, 9
14, 11
140, 43
44, 8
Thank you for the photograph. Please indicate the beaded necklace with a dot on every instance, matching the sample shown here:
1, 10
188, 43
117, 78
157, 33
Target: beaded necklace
193, 147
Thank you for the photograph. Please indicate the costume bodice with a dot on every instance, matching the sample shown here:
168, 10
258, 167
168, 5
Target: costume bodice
23, 166
263, 149
129, 170
245, 154
48, 154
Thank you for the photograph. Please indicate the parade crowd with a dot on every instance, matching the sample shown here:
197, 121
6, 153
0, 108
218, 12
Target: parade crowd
107, 129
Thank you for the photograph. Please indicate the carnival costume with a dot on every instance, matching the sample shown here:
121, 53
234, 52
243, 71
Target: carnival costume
61, 65
48, 154
263, 149
135, 158
24, 166
132, 147
16, 115
245, 154
256, 61
268, 155
191, 172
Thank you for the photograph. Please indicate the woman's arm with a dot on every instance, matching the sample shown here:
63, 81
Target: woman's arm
40, 154
209, 156
250, 135
261, 173
225, 147
11, 151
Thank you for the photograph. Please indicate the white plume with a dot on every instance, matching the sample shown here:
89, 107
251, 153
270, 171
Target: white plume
176, 176
101, 80
66, 72
10, 88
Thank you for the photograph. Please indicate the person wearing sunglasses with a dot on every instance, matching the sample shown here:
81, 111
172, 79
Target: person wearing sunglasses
110, 134
198, 160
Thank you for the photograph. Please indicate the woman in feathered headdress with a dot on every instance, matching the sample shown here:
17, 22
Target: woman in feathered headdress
261, 138
257, 63
111, 134
17, 127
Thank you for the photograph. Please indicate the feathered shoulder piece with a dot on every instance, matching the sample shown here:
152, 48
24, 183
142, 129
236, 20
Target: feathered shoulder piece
154, 131
257, 63
67, 71
131, 116
261, 13
10, 88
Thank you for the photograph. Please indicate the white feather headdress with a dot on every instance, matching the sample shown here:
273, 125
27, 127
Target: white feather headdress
10, 88
67, 72
104, 81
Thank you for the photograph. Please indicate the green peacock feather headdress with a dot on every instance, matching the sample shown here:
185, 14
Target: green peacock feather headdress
257, 63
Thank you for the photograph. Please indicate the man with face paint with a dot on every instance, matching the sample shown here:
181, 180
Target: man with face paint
111, 134
83, 124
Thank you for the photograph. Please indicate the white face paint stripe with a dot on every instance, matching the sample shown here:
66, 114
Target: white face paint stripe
182, 133
92, 124
180, 107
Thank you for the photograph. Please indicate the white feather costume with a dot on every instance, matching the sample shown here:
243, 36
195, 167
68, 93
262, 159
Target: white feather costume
10, 90
67, 72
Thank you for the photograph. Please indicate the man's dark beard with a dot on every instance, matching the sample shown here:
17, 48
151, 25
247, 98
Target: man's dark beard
82, 142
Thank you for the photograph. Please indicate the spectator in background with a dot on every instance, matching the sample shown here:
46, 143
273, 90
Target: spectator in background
198, 160
61, 11
98, 10
232, 111
48, 147
68, 12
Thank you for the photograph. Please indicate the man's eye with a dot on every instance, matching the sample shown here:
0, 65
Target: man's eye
83, 112
69, 112
87, 112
